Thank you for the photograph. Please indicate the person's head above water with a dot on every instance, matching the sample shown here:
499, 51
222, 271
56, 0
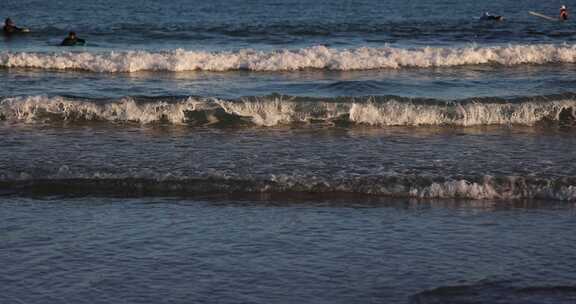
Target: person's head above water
9, 22
72, 40
563, 13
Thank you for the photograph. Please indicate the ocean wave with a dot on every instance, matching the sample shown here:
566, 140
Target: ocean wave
317, 57
269, 111
497, 292
65, 182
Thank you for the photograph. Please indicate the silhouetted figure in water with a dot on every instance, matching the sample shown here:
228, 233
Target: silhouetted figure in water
72, 40
11, 28
489, 17
563, 13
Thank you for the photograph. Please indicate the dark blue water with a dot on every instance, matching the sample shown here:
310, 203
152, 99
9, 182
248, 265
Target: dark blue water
229, 24
287, 151
246, 251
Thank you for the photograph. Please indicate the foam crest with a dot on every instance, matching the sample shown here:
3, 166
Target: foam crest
317, 57
263, 113
395, 113
506, 188
42, 108
274, 111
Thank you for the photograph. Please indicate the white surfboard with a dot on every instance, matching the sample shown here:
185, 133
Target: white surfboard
544, 16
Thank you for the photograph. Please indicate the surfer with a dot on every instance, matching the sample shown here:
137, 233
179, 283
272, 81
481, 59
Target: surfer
72, 40
563, 13
488, 16
11, 28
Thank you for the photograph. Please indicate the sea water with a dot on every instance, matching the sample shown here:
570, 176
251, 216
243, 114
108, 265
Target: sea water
287, 151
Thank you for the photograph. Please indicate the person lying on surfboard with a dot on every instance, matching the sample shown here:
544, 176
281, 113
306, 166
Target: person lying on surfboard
72, 40
563, 13
488, 16
11, 28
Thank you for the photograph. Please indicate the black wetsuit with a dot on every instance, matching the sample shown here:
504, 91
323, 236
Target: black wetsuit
11, 29
72, 41
491, 17
563, 14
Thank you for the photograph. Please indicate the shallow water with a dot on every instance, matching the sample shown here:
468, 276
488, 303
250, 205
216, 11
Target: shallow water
443, 83
475, 163
89, 250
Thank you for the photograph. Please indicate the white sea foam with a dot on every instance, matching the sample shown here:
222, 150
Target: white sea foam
264, 113
317, 57
273, 111
42, 108
394, 113
512, 188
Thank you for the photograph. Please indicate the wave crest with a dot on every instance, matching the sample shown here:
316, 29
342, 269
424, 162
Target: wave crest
317, 57
276, 110
396, 185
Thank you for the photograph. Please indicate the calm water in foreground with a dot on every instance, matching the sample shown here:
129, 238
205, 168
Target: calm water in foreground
287, 151
348, 250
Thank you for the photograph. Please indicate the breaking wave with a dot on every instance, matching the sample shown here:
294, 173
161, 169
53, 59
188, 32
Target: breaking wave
317, 57
274, 110
486, 187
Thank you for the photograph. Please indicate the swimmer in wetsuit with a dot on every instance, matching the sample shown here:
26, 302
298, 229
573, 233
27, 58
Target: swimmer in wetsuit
72, 40
563, 13
488, 16
11, 28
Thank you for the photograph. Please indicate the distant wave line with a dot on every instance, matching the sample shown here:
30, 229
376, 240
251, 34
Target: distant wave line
317, 57
396, 185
